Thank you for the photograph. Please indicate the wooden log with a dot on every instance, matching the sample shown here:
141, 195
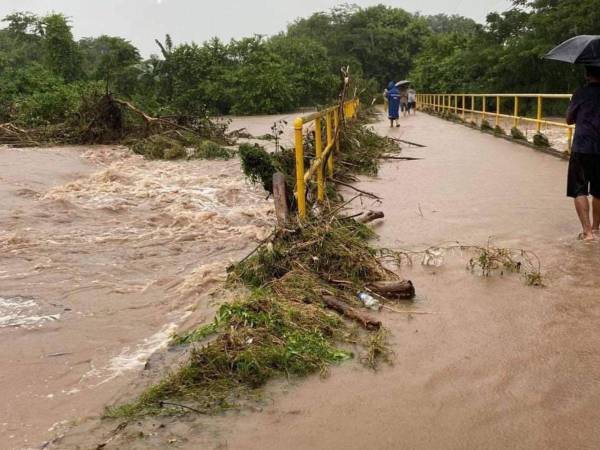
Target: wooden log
351, 313
403, 289
279, 195
371, 216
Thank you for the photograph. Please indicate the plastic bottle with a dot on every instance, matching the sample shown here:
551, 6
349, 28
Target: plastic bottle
369, 301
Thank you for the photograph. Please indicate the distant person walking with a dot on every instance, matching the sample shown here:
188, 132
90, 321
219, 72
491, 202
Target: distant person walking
584, 165
404, 100
392, 94
412, 101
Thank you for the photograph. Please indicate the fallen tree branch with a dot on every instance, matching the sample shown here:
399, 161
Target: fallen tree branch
368, 194
351, 313
400, 158
371, 216
408, 142
403, 289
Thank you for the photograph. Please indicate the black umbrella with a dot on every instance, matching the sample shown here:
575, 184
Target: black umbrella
583, 49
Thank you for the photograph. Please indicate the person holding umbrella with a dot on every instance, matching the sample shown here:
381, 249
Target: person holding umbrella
393, 97
583, 177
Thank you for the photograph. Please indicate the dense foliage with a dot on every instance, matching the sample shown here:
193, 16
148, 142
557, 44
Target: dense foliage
45, 74
505, 55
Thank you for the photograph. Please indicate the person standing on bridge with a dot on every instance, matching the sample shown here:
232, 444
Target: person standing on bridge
393, 97
412, 101
584, 165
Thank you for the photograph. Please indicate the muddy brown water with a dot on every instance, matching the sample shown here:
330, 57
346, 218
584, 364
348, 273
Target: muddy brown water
104, 255
499, 365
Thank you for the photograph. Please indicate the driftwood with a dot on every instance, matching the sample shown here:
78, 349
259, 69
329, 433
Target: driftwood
366, 193
408, 142
403, 289
400, 158
371, 216
279, 195
351, 313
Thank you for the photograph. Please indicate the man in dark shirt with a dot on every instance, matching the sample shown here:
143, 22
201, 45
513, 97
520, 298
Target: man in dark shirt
584, 166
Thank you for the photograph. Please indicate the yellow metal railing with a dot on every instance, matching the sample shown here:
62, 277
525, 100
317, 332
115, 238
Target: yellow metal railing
323, 152
464, 104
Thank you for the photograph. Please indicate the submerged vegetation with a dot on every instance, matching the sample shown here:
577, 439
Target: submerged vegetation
282, 326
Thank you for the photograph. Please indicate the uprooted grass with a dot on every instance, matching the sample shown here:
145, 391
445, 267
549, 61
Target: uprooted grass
361, 148
282, 327
177, 144
486, 260
260, 337
334, 248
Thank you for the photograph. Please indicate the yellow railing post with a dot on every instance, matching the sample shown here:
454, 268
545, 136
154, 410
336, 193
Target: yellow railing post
539, 114
336, 125
300, 187
318, 153
329, 142
497, 110
516, 120
484, 107
569, 138
456, 105
464, 106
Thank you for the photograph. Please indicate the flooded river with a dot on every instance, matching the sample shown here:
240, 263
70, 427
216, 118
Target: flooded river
103, 255
107, 254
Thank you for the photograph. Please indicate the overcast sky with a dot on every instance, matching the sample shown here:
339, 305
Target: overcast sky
141, 21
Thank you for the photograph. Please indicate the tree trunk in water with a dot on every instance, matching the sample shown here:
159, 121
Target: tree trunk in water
351, 313
280, 197
403, 289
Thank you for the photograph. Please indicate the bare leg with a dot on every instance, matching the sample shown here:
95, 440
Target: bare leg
582, 206
596, 214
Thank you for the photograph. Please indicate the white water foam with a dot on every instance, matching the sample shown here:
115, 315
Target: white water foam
20, 311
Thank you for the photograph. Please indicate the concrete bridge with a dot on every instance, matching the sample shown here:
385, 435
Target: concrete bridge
500, 364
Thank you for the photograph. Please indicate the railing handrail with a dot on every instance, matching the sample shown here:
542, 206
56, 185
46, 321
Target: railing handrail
332, 124
508, 95
450, 102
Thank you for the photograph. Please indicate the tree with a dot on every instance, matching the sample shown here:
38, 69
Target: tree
113, 60
61, 52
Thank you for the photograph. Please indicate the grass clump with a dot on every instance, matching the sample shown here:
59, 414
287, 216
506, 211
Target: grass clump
498, 130
490, 260
361, 149
540, 140
334, 249
517, 134
259, 166
261, 337
282, 327
179, 145
211, 150
485, 126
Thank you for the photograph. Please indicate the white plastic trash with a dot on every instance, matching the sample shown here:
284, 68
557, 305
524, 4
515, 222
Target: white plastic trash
369, 301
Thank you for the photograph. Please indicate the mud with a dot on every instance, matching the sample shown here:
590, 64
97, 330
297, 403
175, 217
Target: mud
103, 255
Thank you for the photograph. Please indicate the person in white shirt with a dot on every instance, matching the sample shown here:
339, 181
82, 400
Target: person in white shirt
412, 101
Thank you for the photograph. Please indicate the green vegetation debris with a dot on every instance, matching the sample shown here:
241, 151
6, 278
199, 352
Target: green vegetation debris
517, 134
540, 140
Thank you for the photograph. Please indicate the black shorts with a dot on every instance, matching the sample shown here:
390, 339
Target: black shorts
584, 175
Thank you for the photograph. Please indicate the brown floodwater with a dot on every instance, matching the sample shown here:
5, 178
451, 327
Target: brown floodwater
497, 365
104, 255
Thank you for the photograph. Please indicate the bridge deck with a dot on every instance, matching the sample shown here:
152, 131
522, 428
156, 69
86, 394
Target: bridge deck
501, 365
